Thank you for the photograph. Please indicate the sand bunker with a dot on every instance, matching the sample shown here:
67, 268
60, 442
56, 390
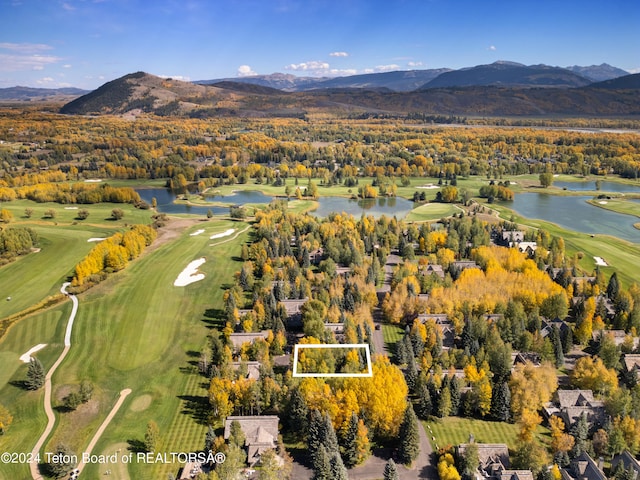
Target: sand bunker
70, 208
96, 239
430, 186
93, 180
223, 234
190, 274
603, 202
197, 232
26, 357
600, 261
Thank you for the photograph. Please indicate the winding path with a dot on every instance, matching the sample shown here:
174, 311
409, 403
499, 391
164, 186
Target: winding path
51, 418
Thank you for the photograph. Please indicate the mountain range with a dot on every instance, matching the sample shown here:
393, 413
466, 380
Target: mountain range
498, 73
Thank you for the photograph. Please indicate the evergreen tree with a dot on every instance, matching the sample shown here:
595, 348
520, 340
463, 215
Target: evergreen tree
298, 413
557, 346
580, 431
321, 465
329, 438
613, 287
35, 375
209, 439
425, 405
411, 374
567, 341
454, 389
61, 461
501, 402
336, 468
444, 403
390, 471
409, 437
314, 438
349, 442
401, 352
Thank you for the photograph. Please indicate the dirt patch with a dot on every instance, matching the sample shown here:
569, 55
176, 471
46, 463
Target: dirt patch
140, 403
172, 230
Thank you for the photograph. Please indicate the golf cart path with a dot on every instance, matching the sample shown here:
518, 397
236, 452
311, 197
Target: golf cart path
51, 419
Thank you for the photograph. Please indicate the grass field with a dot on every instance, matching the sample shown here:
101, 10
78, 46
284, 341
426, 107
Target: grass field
134, 330
456, 430
431, 211
391, 334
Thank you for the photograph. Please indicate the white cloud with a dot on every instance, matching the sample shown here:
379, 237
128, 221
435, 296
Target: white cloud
634, 70
176, 77
492, 48
25, 48
415, 64
44, 81
313, 66
386, 68
338, 54
14, 63
68, 7
66, 65
245, 71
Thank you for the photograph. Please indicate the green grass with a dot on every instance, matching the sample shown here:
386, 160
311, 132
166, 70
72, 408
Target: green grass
63, 243
456, 430
619, 205
134, 330
391, 334
431, 211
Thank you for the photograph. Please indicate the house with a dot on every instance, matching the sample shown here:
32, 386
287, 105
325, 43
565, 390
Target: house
447, 328
316, 256
570, 405
238, 339
294, 312
492, 317
432, 270
547, 327
583, 468
343, 271
253, 369
525, 357
493, 458
336, 328
261, 434
618, 336
631, 363
527, 247
512, 237
460, 265
607, 304
628, 461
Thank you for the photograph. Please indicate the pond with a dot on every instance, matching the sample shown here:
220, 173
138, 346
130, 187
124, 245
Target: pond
574, 213
605, 186
376, 207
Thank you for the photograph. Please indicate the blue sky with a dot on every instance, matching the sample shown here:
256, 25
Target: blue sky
85, 43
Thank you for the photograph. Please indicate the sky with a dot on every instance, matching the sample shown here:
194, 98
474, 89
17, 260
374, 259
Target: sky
85, 43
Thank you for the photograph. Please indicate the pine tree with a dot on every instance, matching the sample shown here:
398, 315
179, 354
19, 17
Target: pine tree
298, 413
321, 465
580, 431
348, 442
501, 402
454, 389
390, 471
444, 403
411, 374
425, 405
209, 439
314, 438
35, 375
336, 468
557, 346
409, 437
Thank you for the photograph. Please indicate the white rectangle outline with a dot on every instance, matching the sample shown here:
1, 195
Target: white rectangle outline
333, 345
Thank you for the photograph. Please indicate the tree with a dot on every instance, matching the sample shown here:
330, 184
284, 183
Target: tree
592, 374
5, 216
425, 405
501, 402
117, 213
409, 437
271, 469
298, 413
5, 419
546, 179
35, 375
83, 214
470, 461
62, 461
28, 212
390, 471
151, 436
50, 213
